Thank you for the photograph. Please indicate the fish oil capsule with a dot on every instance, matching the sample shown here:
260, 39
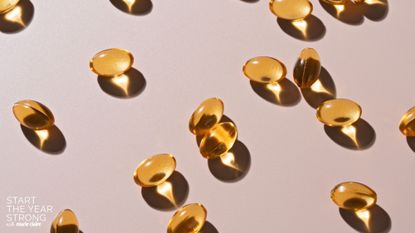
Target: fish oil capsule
7, 5
65, 222
155, 170
111, 62
353, 196
291, 9
206, 116
307, 69
33, 115
189, 219
407, 124
218, 140
264, 69
339, 112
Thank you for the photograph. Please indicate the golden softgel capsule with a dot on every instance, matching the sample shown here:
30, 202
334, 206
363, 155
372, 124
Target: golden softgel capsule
218, 140
339, 112
7, 5
155, 170
307, 69
65, 222
264, 69
291, 9
189, 219
353, 196
111, 62
33, 115
208, 114
407, 124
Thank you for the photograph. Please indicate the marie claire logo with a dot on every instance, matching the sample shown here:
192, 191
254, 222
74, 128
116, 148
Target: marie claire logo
26, 211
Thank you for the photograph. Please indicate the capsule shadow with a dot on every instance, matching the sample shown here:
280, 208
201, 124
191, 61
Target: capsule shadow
411, 142
355, 13
308, 29
128, 85
133, 7
66, 228
208, 228
358, 136
169, 195
372, 220
250, 1
18, 18
323, 89
50, 140
283, 93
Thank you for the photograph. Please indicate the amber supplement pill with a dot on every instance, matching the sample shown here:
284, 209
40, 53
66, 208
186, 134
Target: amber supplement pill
407, 124
7, 5
65, 222
339, 112
218, 140
111, 62
155, 170
264, 69
206, 116
33, 115
307, 69
353, 196
291, 9
189, 219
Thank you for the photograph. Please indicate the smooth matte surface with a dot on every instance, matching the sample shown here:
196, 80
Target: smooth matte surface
188, 51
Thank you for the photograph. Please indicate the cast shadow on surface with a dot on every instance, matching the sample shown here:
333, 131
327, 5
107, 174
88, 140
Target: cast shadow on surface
51, 140
373, 220
322, 90
308, 29
232, 166
208, 228
70, 228
128, 85
169, 195
283, 93
355, 13
18, 18
411, 142
134, 7
250, 1
358, 136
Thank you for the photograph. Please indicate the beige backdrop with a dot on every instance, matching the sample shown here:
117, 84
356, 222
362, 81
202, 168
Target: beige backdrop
187, 51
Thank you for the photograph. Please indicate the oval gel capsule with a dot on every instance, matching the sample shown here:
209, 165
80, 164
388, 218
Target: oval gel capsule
33, 115
65, 222
307, 69
353, 196
188, 219
339, 112
155, 170
291, 9
264, 69
218, 140
111, 62
208, 114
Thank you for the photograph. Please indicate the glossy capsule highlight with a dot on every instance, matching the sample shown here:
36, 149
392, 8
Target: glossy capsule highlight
111, 62
407, 123
353, 196
155, 170
208, 114
339, 112
7, 5
65, 222
188, 219
307, 69
218, 140
33, 115
291, 9
264, 69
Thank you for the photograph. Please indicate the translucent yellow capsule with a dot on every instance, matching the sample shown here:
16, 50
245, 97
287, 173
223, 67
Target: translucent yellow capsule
307, 69
33, 115
353, 196
7, 5
206, 116
155, 170
111, 62
339, 112
407, 124
218, 140
189, 219
65, 222
264, 69
291, 9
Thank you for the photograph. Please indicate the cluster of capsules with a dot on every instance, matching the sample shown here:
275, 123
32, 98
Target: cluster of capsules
215, 138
